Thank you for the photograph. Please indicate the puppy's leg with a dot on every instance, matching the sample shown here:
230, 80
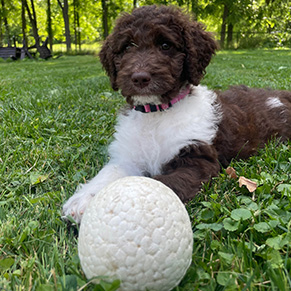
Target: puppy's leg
193, 166
77, 204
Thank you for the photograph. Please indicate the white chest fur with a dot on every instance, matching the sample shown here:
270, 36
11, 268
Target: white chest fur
144, 142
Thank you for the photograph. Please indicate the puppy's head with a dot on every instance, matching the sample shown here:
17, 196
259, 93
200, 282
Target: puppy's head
154, 51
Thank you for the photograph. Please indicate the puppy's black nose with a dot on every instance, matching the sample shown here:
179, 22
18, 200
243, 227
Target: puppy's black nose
141, 79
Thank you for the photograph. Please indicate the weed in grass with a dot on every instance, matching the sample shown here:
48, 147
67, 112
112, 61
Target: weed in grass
56, 120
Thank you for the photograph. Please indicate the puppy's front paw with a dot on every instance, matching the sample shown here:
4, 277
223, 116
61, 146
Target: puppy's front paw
76, 206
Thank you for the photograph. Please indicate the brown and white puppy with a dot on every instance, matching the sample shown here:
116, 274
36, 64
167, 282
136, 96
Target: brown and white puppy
177, 131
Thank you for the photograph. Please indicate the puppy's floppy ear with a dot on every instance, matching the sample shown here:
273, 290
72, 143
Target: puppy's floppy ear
107, 56
200, 46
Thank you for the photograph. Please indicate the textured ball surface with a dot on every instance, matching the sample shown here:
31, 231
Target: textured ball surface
136, 230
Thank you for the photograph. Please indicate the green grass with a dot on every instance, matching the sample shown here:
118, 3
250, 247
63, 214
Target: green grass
56, 120
86, 48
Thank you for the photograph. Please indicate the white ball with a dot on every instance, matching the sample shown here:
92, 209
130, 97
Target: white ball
138, 231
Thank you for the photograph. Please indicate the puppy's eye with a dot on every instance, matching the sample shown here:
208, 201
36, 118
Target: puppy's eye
165, 46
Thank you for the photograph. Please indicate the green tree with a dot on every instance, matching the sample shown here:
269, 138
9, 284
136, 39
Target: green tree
23, 23
33, 20
77, 29
4, 20
65, 10
105, 18
230, 12
275, 18
233, 21
49, 25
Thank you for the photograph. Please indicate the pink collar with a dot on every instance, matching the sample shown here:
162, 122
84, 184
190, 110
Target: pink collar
161, 107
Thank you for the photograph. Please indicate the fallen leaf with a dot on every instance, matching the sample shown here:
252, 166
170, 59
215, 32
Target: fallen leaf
251, 185
282, 68
230, 171
36, 178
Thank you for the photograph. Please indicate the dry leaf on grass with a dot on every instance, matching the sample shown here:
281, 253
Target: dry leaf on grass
230, 171
251, 185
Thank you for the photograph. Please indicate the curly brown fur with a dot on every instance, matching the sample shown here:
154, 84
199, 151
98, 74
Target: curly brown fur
194, 165
162, 42
249, 122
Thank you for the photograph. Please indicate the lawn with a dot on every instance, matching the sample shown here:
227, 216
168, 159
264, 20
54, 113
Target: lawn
56, 120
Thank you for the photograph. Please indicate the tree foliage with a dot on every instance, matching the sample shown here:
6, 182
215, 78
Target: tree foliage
235, 22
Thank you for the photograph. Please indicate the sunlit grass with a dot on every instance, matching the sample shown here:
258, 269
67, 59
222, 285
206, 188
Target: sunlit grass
255, 68
89, 48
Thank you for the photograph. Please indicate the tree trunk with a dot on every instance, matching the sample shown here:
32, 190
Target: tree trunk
77, 25
79, 30
33, 21
223, 26
6, 23
1, 32
194, 8
105, 19
49, 25
65, 10
229, 35
23, 24
134, 3
180, 2
44, 52
67, 24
